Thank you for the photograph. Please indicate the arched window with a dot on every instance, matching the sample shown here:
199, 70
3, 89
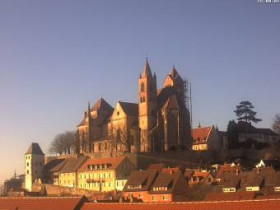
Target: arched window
142, 87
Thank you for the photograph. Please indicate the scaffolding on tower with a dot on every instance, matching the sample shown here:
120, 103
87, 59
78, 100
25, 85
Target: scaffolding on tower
188, 98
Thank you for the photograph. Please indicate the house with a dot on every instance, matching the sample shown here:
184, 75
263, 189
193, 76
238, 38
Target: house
230, 182
206, 138
251, 181
169, 186
228, 169
262, 135
67, 175
153, 185
201, 176
105, 174
139, 184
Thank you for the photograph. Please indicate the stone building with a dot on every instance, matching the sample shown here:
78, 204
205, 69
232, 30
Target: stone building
34, 163
159, 122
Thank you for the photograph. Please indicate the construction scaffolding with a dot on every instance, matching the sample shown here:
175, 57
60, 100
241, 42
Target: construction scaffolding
188, 98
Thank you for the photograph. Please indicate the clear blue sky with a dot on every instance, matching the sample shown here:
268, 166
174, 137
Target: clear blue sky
55, 56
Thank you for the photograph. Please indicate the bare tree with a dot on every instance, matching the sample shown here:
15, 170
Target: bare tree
119, 142
63, 143
276, 124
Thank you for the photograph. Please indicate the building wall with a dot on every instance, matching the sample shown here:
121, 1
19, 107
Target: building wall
33, 169
102, 180
67, 179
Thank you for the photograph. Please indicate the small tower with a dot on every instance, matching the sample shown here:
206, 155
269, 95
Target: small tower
147, 92
34, 162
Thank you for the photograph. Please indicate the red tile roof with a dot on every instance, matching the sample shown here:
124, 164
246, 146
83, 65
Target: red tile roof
228, 169
115, 162
42, 203
232, 196
272, 204
201, 134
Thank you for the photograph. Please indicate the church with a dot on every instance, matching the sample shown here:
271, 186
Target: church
159, 122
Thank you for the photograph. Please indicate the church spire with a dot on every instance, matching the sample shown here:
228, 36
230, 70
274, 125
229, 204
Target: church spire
89, 111
146, 71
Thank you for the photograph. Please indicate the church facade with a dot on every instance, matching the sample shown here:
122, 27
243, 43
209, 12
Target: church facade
159, 122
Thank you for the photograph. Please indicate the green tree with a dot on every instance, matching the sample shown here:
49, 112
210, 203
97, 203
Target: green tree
276, 124
244, 112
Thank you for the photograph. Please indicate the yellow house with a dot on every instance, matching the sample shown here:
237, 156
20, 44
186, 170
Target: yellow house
105, 174
67, 175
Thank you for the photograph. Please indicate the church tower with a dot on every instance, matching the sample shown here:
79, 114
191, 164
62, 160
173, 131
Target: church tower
34, 162
147, 92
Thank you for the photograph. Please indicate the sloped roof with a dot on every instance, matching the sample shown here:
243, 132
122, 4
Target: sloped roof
73, 164
158, 166
236, 196
245, 127
146, 70
171, 102
102, 104
175, 76
250, 179
115, 162
34, 149
167, 180
130, 109
246, 202
59, 166
188, 173
143, 178
52, 164
42, 203
165, 93
201, 134
230, 180
228, 169
202, 174
83, 122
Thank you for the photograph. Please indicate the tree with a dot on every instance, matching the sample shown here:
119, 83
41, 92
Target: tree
63, 143
232, 134
244, 112
276, 124
119, 142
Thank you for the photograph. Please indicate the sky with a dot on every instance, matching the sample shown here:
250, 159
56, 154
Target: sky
56, 56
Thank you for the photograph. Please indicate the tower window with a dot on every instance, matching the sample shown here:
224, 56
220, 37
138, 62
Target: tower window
142, 87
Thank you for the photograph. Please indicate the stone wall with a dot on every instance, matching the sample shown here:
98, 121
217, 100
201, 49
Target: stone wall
54, 190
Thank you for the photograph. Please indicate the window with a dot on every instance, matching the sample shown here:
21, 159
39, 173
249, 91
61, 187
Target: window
27, 171
165, 197
142, 87
277, 189
154, 198
27, 164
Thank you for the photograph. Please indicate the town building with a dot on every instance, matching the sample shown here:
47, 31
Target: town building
105, 174
67, 175
206, 139
156, 185
247, 131
160, 121
34, 163
201, 176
